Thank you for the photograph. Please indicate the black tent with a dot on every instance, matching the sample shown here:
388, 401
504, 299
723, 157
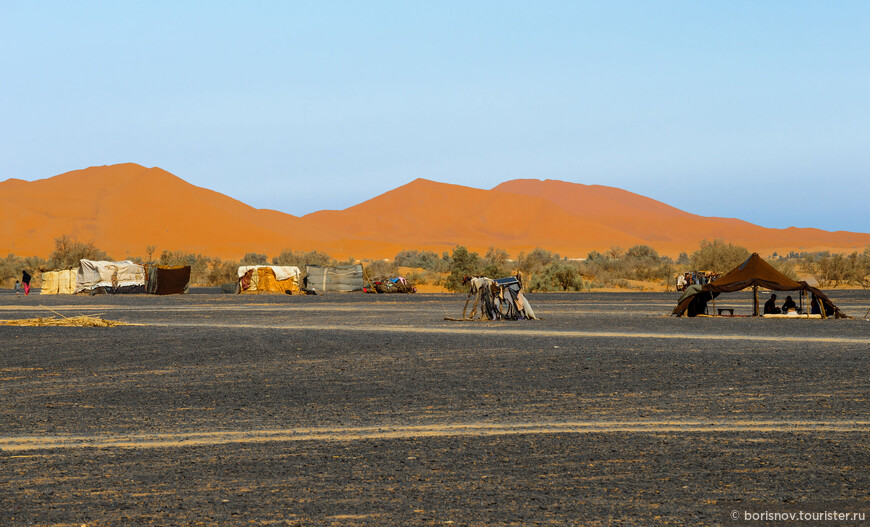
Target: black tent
754, 273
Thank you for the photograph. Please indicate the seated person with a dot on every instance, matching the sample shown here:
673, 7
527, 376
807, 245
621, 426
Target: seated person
789, 305
770, 306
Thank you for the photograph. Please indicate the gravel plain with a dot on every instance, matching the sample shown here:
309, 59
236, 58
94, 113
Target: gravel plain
360, 409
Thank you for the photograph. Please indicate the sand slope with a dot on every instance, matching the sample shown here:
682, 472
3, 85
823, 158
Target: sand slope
669, 229
124, 208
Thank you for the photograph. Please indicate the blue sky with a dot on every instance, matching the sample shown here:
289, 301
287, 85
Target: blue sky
320, 105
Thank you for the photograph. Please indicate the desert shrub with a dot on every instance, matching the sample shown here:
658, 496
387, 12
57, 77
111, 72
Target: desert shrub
222, 272
785, 266
11, 267
535, 261
642, 262
558, 276
381, 268
427, 260
616, 266
495, 264
199, 264
417, 278
860, 268
836, 269
718, 256
255, 259
68, 251
462, 263
301, 259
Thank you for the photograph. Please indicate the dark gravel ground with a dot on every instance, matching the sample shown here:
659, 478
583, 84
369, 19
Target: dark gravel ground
240, 365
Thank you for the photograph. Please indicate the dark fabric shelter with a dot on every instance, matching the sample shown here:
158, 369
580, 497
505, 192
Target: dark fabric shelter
167, 280
754, 272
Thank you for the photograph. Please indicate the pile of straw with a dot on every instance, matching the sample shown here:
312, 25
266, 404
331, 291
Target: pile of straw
81, 321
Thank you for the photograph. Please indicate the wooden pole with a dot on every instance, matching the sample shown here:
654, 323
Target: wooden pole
755, 296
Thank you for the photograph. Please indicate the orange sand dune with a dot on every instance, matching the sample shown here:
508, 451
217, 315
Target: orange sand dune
671, 230
124, 208
426, 214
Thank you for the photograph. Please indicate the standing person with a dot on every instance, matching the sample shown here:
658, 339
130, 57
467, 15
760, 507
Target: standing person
18, 287
25, 279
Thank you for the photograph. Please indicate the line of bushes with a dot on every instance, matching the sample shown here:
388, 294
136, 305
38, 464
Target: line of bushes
544, 270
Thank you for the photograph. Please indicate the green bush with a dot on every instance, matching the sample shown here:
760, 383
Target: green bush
558, 276
718, 256
381, 269
462, 263
535, 261
427, 260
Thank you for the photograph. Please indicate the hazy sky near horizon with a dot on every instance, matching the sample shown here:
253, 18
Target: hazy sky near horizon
746, 109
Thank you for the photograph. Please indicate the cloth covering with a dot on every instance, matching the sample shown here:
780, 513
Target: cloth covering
499, 299
754, 272
61, 282
282, 272
339, 278
167, 279
268, 279
119, 276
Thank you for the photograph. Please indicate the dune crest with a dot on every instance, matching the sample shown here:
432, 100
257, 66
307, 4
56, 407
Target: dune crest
124, 208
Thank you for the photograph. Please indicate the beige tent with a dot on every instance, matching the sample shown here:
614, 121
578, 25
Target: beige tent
111, 277
62, 282
256, 279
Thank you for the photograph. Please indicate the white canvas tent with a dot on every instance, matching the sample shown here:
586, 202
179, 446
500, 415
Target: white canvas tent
114, 277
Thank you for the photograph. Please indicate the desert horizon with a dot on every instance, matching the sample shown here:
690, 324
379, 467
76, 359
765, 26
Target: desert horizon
126, 208
454, 263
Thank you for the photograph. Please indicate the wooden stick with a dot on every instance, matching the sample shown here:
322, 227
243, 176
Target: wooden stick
52, 310
755, 296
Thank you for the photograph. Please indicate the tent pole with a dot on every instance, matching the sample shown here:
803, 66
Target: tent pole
802, 304
755, 296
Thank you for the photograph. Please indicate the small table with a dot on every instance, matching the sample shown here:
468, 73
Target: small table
730, 311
